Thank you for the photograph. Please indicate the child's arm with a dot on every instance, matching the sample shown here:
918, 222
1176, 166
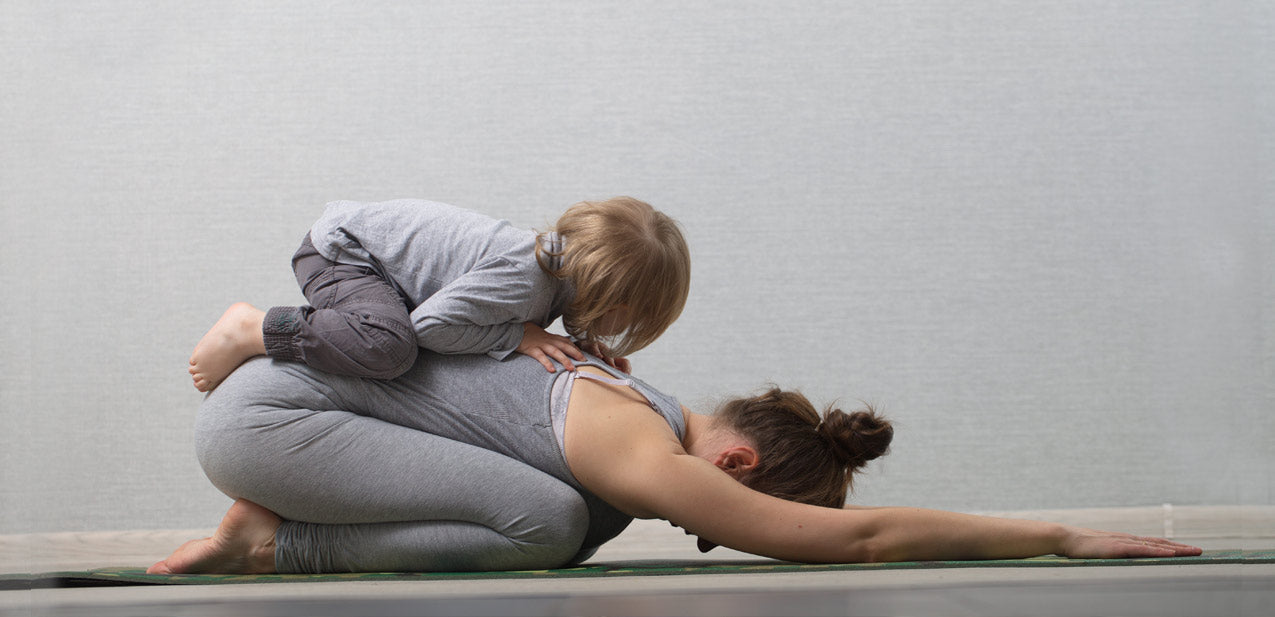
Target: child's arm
487, 311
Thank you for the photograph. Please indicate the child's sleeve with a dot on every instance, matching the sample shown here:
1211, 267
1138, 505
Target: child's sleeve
480, 312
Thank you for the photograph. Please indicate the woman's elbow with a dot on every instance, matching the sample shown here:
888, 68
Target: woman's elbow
869, 550
870, 546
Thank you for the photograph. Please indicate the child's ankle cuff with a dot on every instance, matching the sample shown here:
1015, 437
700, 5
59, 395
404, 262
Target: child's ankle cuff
279, 332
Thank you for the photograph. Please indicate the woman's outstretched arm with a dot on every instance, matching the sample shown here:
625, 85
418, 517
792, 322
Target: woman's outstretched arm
632, 460
710, 504
910, 534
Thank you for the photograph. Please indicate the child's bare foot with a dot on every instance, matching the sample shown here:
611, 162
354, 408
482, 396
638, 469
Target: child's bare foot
243, 544
232, 340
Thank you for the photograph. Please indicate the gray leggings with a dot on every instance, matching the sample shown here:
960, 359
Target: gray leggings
362, 494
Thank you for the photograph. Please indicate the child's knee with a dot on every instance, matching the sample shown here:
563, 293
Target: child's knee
409, 352
370, 340
392, 356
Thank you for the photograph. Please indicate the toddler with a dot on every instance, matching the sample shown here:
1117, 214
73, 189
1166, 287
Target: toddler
383, 279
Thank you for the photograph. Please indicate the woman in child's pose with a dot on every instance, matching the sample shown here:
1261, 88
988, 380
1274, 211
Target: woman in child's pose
468, 463
384, 279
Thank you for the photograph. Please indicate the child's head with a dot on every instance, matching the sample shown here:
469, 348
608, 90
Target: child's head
630, 268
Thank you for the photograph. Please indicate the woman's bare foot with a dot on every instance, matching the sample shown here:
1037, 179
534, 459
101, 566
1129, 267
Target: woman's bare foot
243, 544
232, 340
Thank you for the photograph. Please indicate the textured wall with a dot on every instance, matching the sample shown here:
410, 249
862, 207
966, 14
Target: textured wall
1037, 235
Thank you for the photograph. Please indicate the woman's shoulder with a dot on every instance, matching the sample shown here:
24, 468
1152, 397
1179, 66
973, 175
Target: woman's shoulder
614, 406
614, 441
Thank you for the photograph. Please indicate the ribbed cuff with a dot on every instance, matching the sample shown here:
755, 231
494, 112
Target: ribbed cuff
279, 332
286, 544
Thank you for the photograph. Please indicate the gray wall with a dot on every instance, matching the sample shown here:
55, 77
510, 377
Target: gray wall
1038, 235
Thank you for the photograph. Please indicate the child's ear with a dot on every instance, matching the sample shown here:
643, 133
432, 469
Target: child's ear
737, 461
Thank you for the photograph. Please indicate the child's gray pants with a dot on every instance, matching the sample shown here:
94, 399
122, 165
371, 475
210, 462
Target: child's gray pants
357, 323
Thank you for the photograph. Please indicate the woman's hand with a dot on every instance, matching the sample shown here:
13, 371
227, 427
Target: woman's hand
1091, 544
604, 354
542, 346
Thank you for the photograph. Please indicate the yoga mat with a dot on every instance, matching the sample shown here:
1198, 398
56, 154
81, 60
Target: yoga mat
106, 577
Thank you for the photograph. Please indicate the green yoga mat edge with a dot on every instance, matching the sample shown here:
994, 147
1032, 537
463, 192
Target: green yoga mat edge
114, 576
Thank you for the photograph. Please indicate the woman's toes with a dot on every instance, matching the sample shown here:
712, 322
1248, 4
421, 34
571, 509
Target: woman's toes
160, 567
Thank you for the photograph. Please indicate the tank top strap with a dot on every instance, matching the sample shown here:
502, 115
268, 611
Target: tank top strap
611, 381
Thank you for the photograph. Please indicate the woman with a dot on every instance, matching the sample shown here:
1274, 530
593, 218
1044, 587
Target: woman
468, 463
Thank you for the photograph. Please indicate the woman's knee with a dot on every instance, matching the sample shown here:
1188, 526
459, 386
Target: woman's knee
227, 449
556, 537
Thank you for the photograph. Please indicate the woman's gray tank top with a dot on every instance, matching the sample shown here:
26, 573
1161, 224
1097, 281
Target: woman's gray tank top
507, 406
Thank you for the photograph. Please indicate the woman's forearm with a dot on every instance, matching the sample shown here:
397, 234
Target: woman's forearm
912, 534
915, 534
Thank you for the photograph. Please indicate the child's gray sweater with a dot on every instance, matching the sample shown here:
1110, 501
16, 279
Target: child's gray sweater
473, 280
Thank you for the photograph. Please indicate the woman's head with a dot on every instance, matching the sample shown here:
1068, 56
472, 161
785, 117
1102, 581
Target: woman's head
630, 268
804, 456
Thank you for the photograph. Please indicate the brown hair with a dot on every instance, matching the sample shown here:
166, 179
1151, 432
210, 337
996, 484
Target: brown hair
803, 456
621, 251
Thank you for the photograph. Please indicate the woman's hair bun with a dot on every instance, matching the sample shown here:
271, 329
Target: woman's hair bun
856, 438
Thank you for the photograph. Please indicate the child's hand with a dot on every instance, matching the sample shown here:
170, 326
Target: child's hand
600, 350
542, 346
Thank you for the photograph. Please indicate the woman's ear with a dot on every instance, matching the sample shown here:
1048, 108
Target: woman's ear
737, 461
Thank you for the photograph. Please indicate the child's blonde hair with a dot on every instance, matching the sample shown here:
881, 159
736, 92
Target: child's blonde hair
621, 251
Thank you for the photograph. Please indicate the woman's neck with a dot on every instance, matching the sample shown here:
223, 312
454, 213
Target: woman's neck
706, 438
698, 426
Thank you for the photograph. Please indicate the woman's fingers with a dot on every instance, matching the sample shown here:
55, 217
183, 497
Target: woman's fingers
1138, 546
1147, 549
1178, 548
1156, 543
1089, 543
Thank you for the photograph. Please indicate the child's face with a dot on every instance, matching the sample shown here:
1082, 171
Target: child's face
613, 322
